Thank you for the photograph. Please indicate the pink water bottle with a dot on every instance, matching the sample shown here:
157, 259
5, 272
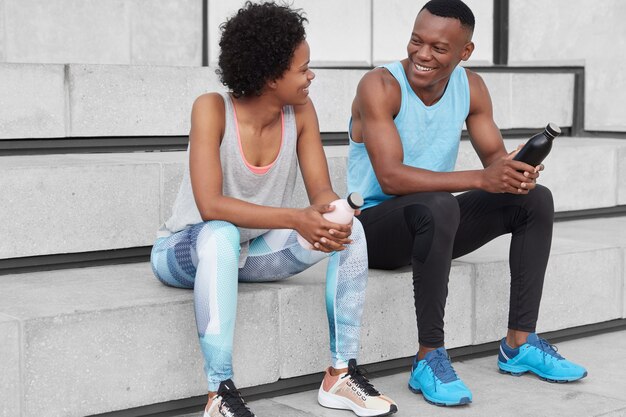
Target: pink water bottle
342, 214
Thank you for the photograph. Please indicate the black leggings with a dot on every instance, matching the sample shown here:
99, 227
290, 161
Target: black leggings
430, 229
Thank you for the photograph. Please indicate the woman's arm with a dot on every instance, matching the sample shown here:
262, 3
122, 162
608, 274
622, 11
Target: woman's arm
314, 170
207, 130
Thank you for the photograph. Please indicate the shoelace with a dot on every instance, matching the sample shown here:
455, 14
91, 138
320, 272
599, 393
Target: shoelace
361, 381
442, 368
547, 349
235, 403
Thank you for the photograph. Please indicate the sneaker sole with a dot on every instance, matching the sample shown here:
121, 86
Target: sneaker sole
462, 401
519, 371
337, 402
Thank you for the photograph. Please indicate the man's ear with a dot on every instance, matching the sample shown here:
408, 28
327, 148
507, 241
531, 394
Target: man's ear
467, 51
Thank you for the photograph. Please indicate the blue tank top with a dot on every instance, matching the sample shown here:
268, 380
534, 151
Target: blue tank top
430, 134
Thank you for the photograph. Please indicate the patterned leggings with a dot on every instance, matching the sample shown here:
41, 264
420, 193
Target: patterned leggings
205, 257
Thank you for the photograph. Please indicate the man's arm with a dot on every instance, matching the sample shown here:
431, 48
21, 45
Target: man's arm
501, 173
377, 102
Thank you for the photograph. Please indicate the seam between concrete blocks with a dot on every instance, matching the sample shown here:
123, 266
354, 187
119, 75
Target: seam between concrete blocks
5, 31
67, 98
371, 32
473, 282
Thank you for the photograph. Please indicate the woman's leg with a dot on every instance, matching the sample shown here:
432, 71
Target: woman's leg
277, 255
205, 257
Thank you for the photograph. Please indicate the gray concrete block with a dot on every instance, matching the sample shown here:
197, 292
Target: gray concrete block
172, 175
304, 338
545, 43
582, 288
2, 33
537, 99
77, 203
350, 21
621, 176
389, 326
518, 99
137, 100
166, 32
569, 298
111, 338
10, 378
599, 189
332, 92
500, 85
32, 101
67, 31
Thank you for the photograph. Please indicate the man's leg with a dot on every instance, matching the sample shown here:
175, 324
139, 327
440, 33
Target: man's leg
529, 219
417, 229
420, 229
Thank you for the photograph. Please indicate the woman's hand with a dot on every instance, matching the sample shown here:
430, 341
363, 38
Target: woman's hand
324, 235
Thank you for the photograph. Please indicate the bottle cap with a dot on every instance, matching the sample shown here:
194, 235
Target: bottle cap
355, 200
553, 130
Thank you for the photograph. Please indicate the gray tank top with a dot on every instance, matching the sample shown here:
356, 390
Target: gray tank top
273, 188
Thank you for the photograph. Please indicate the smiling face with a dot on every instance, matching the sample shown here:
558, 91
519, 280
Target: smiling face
293, 86
436, 47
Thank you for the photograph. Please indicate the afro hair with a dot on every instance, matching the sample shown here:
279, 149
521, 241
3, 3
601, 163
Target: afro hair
257, 46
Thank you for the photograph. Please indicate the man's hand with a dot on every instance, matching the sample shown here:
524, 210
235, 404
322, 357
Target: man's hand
506, 175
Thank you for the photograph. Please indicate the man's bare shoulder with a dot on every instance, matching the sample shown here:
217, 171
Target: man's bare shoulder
379, 79
476, 82
380, 88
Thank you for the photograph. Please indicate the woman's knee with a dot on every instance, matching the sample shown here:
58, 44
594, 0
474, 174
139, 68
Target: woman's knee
218, 236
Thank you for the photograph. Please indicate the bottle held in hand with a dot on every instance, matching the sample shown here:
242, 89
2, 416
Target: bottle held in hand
538, 147
342, 214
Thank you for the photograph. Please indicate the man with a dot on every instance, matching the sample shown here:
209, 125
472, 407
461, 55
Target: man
406, 125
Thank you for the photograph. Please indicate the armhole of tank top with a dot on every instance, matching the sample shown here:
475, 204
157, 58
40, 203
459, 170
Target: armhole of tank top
402, 83
227, 102
466, 88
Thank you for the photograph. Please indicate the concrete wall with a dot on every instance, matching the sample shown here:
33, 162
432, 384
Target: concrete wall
169, 32
163, 32
585, 32
78, 100
349, 33
358, 32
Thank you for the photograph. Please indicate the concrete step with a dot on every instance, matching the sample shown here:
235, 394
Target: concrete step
85, 341
496, 394
77, 100
79, 203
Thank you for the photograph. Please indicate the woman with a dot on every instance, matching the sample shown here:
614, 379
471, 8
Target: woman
232, 222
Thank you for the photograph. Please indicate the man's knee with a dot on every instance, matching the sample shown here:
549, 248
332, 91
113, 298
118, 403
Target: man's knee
437, 211
540, 202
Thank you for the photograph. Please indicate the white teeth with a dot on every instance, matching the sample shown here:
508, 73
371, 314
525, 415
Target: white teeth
420, 68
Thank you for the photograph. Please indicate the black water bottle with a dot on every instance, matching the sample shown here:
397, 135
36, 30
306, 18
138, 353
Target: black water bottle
538, 147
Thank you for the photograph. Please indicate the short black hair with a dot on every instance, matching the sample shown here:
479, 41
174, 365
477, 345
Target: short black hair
257, 46
455, 9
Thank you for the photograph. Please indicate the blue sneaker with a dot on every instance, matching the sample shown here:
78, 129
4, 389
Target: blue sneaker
435, 378
539, 357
